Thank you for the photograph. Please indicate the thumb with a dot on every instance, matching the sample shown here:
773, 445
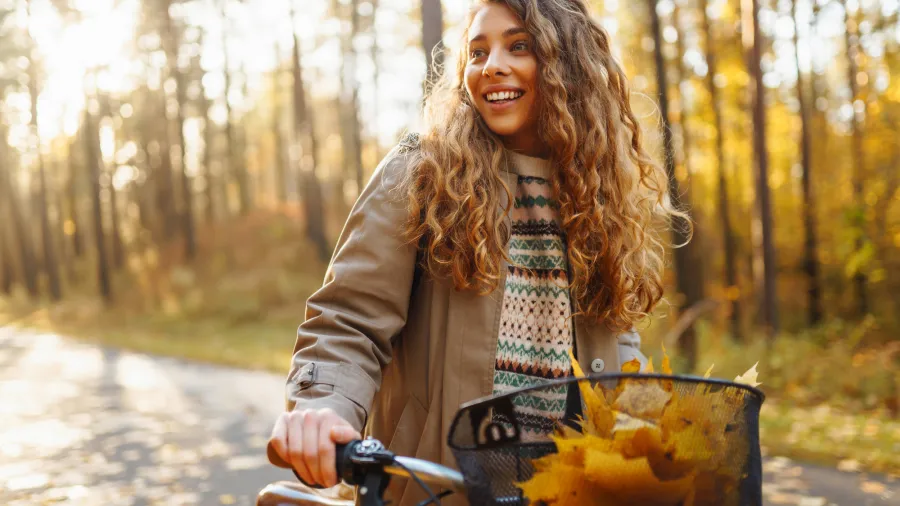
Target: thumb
342, 434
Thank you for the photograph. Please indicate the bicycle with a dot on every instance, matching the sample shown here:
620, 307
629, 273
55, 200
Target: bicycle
486, 438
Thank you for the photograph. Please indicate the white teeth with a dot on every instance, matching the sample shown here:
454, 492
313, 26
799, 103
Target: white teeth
503, 95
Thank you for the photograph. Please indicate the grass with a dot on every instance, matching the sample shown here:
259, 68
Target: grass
264, 345
827, 436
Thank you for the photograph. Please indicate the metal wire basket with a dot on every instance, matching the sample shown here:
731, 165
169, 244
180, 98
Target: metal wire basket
712, 424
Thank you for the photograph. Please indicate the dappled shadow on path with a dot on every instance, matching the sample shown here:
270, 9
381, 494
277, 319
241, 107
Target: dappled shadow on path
85, 425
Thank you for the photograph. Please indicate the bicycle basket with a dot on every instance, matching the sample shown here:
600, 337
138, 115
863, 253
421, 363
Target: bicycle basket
699, 443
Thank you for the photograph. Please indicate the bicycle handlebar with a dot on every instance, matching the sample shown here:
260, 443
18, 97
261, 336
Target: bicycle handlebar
357, 458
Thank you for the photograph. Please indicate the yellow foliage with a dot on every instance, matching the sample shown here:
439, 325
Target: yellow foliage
644, 442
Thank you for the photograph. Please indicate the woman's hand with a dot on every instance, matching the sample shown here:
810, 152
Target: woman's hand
306, 439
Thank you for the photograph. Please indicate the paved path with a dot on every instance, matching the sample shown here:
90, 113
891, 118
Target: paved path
85, 425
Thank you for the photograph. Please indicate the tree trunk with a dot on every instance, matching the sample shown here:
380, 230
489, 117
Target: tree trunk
237, 166
682, 77
687, 275
854, 50
65, 257
93, 163
209, 142
72, 201
432, 35
375, 77
764, 246
810, 248
14, 211
106, 110
115, 230
281, 177
6, 267
187, 193
50, 262
349, 100
731, 279
305, 139
165, 199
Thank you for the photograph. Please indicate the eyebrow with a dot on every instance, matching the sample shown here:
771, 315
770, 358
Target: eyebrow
506, 33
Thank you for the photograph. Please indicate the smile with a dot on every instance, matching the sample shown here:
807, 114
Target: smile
503, 96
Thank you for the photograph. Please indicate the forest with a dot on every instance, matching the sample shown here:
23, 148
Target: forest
174, 174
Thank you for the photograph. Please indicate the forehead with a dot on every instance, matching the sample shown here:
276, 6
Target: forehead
492, 19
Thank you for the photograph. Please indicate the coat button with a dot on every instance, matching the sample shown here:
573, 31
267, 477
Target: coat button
598, 365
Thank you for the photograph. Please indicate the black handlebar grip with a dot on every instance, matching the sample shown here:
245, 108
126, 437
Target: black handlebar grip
343, 463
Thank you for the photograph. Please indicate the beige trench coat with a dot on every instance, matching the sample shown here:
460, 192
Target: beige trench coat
397, 357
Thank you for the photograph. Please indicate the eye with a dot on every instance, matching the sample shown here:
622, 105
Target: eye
477, 53
520, 46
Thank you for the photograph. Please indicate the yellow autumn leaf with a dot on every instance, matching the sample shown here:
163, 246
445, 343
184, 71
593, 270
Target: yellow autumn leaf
643, 399
666, 365
649, 368
632, 366
599, 419
632, 481
750, 377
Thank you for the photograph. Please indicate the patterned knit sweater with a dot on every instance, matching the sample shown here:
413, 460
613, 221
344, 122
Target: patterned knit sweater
535, 324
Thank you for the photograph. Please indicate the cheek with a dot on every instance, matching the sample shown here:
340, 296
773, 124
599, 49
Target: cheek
531, 75
471, 81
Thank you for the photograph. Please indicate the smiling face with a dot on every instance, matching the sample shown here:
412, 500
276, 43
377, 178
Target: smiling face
501, 77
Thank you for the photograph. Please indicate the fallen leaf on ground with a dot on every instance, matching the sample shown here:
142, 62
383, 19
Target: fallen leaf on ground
872, 487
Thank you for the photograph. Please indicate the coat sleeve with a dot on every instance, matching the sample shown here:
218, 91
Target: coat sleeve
345, 341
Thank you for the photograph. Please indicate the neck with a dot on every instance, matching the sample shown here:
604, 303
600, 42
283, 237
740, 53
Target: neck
528, 144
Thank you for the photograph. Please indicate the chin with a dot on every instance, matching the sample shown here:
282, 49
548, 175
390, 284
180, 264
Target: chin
504, 128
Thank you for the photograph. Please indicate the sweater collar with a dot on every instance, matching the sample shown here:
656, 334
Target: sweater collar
524, 165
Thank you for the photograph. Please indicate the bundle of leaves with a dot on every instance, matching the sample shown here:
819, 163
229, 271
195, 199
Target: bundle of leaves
644, 441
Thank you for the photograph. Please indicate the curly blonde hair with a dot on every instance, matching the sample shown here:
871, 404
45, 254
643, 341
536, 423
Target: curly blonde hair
610, 192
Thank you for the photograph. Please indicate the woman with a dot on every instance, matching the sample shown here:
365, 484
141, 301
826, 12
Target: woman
519, 225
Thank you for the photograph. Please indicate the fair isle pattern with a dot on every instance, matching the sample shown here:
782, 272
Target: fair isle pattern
535, 329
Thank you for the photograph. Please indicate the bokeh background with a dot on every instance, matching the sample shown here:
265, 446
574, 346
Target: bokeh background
174, 174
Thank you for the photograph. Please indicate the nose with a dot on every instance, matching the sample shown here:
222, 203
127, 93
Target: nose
496, 64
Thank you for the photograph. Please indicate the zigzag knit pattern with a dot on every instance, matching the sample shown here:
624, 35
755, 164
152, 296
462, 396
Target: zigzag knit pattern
535, 328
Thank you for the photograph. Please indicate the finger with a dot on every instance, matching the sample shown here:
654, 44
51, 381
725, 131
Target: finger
311, 446
343, 433
277, 450
295, 447
327, 464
